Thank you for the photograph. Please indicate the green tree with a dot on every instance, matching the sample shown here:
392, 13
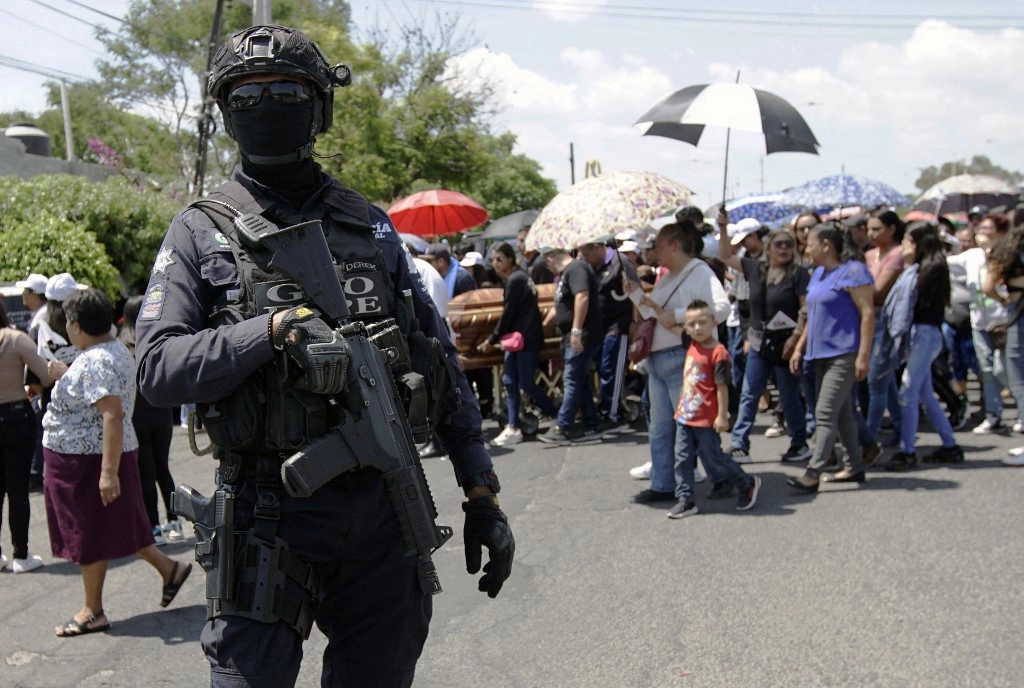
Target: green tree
980, 164
126, 222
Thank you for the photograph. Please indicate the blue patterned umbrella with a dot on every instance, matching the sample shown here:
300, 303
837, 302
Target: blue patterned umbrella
768, 209
825, 194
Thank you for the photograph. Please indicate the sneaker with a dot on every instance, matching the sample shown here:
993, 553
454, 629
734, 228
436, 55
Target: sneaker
158, 537
652, 497
1016, 461
777, 429
508, 436
952, 454
1018, 427
958, 416
870, 454
29, 563
172, 531
3, 562
989, 425
682, 510
589, 435
721, 490
609, 426
900, 462
796, 454
554, 435
641, 472
1016, 451
740, 455
749, 496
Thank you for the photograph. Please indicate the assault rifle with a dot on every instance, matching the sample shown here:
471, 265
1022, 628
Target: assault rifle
374, 432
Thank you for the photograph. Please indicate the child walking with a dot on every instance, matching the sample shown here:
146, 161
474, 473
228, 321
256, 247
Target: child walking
703, 412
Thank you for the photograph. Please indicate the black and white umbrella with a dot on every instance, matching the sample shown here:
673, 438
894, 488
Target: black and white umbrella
684, 115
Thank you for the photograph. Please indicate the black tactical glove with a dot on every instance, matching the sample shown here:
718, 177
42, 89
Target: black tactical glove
487, 526
319, 351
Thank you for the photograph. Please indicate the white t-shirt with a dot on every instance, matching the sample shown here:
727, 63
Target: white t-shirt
970, 268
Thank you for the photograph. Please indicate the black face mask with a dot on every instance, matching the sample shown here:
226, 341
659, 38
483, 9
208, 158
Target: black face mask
272, 133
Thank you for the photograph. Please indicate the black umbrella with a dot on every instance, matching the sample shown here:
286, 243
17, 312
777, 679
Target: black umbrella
685, 114
508, 226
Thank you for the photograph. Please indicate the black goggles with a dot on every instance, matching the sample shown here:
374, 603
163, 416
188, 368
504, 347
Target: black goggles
286, 92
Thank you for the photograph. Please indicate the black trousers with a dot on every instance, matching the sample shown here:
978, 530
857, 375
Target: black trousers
155, 428
17, 444
371, 605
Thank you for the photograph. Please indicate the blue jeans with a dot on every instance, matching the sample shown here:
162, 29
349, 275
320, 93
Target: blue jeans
692, 442
577, 392
961, 353
664, 383
1014, 362
884, 394
754, 382
993, 376
611, 373
916, 388
519, 373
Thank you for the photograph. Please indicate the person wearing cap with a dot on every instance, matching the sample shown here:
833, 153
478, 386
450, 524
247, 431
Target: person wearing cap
976, 214
631, 250
578, 315
34, 298
52, 338
613, 272
223, 327
484, 277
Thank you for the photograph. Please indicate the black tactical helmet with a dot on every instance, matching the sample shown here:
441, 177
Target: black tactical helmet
277, 50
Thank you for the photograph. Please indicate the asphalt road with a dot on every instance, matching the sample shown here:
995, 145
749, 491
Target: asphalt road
907, 580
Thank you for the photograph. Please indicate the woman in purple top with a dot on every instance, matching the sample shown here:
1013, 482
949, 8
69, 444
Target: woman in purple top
837, 340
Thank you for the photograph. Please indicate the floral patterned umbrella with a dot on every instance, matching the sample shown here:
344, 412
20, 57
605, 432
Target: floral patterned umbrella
841, 190
599, 207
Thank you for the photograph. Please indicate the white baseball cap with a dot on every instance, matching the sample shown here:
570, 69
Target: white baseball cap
35, 282
61, 286
742, 229
472, 258
629, 246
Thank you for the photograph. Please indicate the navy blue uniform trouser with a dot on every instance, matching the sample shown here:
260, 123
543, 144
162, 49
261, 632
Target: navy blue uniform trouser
371, 606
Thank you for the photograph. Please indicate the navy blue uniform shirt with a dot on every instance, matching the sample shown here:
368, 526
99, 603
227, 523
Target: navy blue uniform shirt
181, 360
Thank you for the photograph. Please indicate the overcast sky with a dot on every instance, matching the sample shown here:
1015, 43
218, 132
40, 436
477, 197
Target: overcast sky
887, 88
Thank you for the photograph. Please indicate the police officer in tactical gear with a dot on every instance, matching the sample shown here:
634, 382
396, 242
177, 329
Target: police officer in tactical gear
224, 328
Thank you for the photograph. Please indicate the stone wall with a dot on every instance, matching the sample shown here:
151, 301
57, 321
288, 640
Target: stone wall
15, 161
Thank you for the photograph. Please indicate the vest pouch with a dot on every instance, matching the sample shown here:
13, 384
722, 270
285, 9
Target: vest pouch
294, 417
429, 360
236, 422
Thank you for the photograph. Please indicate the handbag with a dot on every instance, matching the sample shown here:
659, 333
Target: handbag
642, 336
641, 340
773, 342
513, 342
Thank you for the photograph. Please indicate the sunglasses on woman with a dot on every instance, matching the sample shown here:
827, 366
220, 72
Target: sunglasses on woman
782, 244
284, 92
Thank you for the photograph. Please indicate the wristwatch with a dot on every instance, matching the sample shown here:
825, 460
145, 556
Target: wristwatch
575, 331
485, 479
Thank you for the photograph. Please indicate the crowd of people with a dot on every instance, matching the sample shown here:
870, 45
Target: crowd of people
855, 325
75, 429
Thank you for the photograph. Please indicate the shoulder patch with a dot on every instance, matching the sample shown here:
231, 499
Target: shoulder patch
153, 305
164, 259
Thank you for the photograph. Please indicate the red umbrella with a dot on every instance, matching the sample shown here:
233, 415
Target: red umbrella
436, 212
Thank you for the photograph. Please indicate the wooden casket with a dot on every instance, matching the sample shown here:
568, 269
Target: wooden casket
475, 314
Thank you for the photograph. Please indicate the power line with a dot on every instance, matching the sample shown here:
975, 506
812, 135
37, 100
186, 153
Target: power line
815, 21
119, 20
52, 33
38, 69
98, 27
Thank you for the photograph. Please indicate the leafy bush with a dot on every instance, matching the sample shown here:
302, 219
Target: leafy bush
52, 245
127, 223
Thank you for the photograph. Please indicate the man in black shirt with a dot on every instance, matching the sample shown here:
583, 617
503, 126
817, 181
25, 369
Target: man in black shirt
616, 310
579, 320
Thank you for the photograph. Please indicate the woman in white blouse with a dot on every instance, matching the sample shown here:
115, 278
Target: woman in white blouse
678, 247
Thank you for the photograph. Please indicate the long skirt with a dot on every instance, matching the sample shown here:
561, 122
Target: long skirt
82, 530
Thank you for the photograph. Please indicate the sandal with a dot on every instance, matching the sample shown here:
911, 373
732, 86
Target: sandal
173, 586
73, 627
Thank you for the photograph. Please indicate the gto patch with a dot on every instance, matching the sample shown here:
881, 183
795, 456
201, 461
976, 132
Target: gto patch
364, 294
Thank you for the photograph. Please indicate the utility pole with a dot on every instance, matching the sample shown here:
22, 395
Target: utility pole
65, 110
572, 165
260, 12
